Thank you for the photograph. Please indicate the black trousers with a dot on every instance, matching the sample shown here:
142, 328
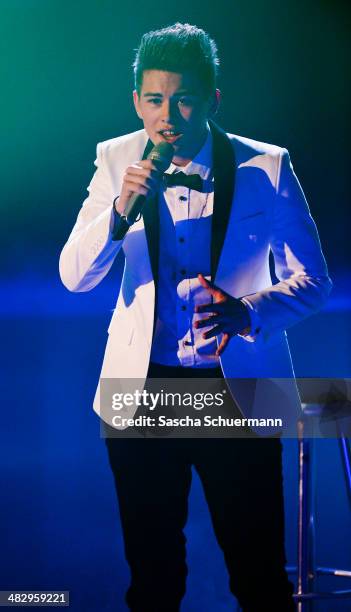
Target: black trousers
242, 482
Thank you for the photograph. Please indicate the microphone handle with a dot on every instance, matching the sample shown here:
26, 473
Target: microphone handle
134, 207
123, 222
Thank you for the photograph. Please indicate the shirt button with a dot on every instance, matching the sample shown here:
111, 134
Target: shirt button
182, 198
183, 307
181, 239
183, 272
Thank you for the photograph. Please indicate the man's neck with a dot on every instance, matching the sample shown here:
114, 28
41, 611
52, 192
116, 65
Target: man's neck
181, 161
184, 161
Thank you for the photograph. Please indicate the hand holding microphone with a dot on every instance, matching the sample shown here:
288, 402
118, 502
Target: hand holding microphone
141, 180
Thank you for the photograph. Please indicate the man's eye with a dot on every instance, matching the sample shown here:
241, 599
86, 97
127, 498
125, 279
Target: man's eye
186, 101
156, 101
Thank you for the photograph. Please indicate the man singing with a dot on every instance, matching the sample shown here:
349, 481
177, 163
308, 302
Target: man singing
197, 301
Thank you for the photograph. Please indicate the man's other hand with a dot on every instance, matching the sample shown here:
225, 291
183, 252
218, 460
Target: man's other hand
228, 315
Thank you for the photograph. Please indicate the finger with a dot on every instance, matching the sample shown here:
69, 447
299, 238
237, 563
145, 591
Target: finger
148, 183
143, 164
140, 177
217, 293
204, 282
136, 188
213, 332
146, 163
135, 171
135, 181
140, 173
223, 344
206, 322
215, 307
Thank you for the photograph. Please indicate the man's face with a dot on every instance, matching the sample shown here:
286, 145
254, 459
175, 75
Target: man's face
175, 109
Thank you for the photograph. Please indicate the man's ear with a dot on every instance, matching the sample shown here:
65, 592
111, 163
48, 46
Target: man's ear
136, 103
216, 99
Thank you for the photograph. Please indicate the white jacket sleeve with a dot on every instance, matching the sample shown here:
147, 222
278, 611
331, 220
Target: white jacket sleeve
304, 284
89, 251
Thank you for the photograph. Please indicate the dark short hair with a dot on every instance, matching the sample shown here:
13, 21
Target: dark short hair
178, 48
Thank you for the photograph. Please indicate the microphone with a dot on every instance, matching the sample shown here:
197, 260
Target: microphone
161, 156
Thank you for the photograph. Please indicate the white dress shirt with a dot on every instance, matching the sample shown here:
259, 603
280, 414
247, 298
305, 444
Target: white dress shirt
185, 250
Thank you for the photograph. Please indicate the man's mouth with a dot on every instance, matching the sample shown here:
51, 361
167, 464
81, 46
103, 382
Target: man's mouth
170, 136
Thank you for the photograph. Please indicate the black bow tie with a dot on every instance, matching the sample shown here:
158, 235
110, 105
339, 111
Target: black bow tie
191, 181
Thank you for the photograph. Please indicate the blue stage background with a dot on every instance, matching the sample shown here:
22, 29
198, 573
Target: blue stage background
68, 80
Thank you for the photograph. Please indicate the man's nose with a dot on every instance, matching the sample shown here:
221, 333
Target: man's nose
168, 111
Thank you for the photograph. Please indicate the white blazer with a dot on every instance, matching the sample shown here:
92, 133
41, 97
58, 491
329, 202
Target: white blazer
268, 213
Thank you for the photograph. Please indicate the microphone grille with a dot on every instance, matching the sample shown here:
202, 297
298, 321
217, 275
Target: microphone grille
161, 155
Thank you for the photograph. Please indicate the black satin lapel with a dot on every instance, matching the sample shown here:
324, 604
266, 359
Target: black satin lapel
152, 225
224, 168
